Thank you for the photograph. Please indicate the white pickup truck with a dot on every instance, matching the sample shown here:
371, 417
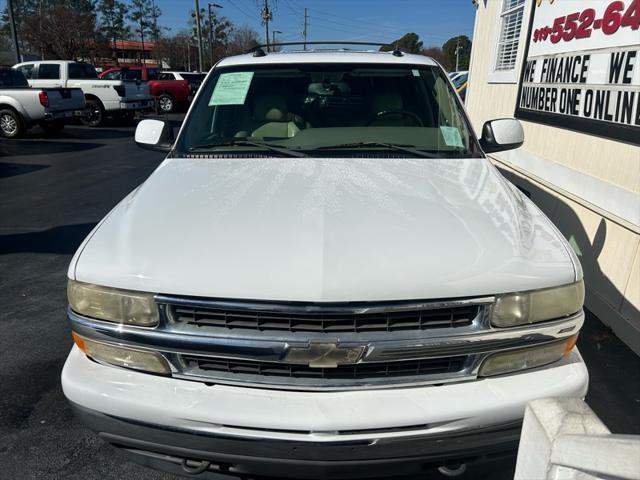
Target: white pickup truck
22, 107
112, 97
325, 278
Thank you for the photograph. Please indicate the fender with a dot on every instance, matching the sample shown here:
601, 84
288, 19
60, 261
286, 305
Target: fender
7, 100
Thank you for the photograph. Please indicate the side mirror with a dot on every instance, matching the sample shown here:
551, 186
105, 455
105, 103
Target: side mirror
154, 135
501, 134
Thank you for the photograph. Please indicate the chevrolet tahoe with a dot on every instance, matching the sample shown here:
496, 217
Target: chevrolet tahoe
325, 278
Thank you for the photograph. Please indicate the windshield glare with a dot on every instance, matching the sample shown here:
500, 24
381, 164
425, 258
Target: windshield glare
312, 106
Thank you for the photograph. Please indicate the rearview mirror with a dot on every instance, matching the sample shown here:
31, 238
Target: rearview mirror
154, 135
501, 134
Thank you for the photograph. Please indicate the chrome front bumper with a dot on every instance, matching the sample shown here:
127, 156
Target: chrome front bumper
163, 420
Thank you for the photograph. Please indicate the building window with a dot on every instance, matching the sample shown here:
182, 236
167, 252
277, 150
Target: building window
508, 41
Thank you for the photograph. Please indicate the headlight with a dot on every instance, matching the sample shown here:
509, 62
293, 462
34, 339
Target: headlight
122, 356
538, 305
112, 305
524, 358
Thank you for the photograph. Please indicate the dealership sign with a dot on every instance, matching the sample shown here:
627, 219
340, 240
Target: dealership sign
582, 67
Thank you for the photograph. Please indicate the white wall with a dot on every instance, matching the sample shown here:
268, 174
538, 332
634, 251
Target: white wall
588, 185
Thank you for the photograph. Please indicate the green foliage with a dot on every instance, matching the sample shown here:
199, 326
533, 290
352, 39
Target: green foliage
84, 29
144, 17
112, 18
435, 53
449, 51
215, 30
409, 42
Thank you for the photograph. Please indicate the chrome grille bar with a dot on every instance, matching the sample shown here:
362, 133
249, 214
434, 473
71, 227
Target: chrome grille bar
388, 357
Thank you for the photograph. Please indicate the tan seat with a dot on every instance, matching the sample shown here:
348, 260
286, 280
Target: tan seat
270, 112
388, 102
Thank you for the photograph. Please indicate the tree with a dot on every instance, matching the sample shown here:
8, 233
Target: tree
31, 33
409, 42
241, 40
112, 21
215, 34
435, 53
449, 51
82, 41
143, 14
154, 30
174, 51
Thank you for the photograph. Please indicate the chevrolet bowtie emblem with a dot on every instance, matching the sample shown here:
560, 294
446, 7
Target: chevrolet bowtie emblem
323, 355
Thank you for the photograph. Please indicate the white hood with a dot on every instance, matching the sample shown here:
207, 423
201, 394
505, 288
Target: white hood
323, 230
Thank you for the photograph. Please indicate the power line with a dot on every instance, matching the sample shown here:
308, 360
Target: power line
358, 26
241, 10
343, 19
292, 8
352, 31
363, 23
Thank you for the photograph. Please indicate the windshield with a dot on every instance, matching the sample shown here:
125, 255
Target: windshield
313, 107
193, 77
128, 74
12, 78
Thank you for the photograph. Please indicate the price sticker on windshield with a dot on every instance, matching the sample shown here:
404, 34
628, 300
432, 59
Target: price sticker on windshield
231, 89
452, 137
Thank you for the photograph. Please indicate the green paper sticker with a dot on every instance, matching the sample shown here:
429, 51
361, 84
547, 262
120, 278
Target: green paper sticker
452, 137
231, 89
415, 73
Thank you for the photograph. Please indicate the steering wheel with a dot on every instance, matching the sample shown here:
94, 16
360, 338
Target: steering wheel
404, 113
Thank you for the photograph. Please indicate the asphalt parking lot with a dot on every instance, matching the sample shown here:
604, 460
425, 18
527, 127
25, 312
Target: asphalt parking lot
53, 190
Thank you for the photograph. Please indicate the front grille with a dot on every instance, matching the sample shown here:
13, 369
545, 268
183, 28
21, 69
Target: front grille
431, 366
390, 321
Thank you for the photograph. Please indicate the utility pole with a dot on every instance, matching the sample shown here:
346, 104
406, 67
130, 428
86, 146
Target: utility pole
144, 60
155, 20
40, 30
211, 29
14, 34
199, 33
155, 30
210, 35
458, 48
266, 17
304, 32
273, 35
188, 55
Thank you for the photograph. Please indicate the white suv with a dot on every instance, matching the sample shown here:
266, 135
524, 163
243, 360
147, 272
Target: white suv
326, 278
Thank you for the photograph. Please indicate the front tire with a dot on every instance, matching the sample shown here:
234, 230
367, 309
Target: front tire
166, 103
10, 124
96, 114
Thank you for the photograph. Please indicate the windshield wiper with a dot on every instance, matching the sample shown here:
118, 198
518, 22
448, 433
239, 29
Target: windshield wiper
403, 148
243, 143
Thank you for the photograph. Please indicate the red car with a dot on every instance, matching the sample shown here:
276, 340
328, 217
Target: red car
167, 91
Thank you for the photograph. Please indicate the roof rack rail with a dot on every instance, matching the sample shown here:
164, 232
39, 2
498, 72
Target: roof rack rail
258, 50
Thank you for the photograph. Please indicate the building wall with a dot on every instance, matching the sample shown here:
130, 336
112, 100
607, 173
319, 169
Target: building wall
589, 186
